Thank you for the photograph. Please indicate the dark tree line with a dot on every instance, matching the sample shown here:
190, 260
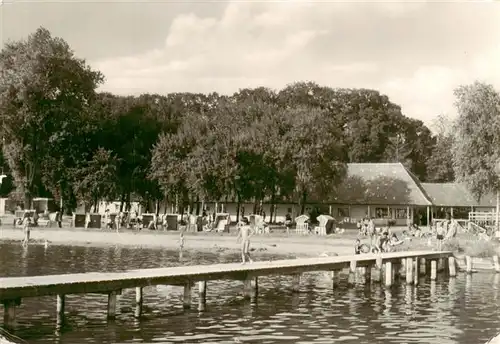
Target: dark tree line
63, 139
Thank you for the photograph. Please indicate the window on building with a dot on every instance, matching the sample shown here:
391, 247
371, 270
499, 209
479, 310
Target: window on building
381, 213
400, 213
343, 212
289, 210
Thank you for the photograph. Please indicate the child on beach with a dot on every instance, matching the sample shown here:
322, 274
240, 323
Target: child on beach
371, 230
118, 221
357, 247
244, 234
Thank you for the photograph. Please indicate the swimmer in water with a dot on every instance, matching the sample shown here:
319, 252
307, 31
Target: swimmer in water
244, 234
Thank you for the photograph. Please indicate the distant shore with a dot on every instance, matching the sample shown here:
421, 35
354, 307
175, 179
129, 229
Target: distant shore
281, 244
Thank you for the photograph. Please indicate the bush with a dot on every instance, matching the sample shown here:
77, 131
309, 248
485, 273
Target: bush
465, 244
472, 247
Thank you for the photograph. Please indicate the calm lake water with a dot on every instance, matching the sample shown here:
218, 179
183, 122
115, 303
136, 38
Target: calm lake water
464, 310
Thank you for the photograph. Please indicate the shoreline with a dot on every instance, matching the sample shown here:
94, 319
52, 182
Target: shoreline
298, 246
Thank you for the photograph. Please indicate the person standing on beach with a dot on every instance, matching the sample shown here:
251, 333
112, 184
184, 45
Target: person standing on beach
181, 239
27, 229
87, 220
181, 244
244, 234
371, 230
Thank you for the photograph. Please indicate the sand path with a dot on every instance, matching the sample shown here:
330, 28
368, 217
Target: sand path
300, 246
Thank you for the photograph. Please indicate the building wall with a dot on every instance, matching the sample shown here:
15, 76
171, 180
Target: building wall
3, 205
357, 212
114, 207
484, 209
231, 209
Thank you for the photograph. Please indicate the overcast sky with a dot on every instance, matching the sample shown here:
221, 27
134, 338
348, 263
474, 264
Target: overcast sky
416, 53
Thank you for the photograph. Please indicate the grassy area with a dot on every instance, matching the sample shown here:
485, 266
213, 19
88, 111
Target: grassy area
462, 244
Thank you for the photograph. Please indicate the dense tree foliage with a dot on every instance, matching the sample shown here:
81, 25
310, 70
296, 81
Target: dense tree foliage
64, 139
440, 163
44, 92
476, 146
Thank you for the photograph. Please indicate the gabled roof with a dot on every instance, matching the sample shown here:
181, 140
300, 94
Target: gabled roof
455, 195
380, 184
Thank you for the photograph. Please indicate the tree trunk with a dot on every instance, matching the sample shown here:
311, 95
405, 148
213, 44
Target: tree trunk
27, 200
128, 206
303, 202
122, 201
273, 200
165, 201
238, 205
61, 199
197, 206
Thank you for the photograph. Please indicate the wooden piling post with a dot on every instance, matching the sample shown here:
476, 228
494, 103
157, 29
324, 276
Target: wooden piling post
187, 296
112, 305
202, 291
439, 265
368, 274
423, 266
352, 273
433, 269
452, 267
468, 264
416, 272
427, 267
60, 305
389, 276
202, 295
139, 298
254, 288
296, 283
250, 288
496, 263
396, 270
377, 276
335, 278
409, 270
9, 315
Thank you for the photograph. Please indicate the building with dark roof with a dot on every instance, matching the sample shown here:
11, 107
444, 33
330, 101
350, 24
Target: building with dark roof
384, 191
456, 199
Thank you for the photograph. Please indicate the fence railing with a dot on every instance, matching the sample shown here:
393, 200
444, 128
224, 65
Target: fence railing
484, 219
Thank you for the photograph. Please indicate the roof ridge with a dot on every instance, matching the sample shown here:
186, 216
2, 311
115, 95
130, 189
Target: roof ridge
419, 184
374, 163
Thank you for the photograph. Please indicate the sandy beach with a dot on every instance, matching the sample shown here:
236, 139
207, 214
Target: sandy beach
281, 244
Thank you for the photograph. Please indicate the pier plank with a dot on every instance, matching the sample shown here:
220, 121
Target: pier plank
35, 286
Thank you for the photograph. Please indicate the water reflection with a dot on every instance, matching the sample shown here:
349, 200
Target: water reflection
408, 299
431, 313
388, 302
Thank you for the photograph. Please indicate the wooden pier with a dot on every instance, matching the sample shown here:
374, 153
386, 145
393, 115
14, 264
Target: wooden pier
375, 267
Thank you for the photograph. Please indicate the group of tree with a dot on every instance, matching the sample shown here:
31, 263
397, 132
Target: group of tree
62, 138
